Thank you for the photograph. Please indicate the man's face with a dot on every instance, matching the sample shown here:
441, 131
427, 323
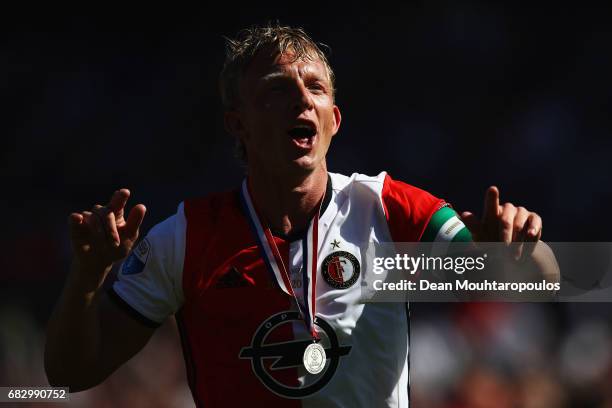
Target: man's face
287, 115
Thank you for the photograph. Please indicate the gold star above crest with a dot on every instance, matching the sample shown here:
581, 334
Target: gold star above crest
335, 244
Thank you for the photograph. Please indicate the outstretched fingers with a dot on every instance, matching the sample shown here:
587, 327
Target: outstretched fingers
106, 217
507, 217
519, 233
134, 221
533, 227
117, 203
532, 234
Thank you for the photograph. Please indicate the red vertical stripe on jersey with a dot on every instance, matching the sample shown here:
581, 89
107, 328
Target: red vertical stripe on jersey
229, 293
408, 209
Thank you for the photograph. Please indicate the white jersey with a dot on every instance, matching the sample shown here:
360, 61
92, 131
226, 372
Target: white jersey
243, 336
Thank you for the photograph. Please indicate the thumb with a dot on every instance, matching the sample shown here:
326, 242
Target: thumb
78, 229
134, 221
471, 221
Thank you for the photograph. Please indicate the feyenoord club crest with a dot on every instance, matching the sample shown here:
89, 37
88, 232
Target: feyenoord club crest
340, 269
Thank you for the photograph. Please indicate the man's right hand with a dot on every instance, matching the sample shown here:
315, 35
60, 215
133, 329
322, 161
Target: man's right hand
88, 336
103, 235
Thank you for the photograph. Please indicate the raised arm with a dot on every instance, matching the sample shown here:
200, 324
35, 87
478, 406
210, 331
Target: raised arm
88, 337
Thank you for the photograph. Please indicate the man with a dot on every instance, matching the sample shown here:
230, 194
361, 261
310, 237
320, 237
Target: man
264, 281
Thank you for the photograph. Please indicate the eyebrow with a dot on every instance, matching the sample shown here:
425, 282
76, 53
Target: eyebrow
273, 75
282, 74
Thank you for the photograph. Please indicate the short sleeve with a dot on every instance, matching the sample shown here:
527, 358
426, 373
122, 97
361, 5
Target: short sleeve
149, 282
408, 209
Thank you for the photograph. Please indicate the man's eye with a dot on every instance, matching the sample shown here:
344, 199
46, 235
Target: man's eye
317, 87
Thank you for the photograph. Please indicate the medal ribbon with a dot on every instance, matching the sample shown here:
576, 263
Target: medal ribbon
275, 263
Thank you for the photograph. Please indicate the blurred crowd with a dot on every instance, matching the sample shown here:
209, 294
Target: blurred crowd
462, 355
153, 378
503, 355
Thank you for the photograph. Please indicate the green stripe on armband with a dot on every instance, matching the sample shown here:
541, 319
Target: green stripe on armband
464, 235
445, 225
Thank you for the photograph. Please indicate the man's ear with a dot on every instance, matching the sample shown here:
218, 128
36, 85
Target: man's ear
337, 119
234, 124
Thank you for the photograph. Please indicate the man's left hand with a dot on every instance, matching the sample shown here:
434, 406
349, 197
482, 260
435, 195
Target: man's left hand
505, 223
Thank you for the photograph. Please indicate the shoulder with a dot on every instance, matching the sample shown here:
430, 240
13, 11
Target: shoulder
390, 191
212, 204
193, 212
213, 209
341, 182
407, 209
358, 186
168, 226
414, 200
164, 242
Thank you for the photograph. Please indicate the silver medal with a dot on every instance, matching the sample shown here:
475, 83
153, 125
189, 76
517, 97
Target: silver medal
314, 358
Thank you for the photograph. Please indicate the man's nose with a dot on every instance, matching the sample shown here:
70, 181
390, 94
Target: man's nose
303, 98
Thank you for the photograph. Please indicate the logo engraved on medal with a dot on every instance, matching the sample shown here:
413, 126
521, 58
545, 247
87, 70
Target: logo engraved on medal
314, 358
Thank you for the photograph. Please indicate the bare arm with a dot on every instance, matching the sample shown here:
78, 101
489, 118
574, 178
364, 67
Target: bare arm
88, 336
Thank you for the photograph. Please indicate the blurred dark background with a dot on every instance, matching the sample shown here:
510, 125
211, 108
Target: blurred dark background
450, 96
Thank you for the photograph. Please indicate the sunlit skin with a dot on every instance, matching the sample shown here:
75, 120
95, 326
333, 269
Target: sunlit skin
287, 175
277, 94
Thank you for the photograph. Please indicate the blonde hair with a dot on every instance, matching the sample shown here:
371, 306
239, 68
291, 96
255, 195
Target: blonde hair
274, 38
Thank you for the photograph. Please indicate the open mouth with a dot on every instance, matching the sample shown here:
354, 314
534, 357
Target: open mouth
303, 135
302, 132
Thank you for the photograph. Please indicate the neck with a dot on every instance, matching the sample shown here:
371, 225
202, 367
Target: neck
287, 202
